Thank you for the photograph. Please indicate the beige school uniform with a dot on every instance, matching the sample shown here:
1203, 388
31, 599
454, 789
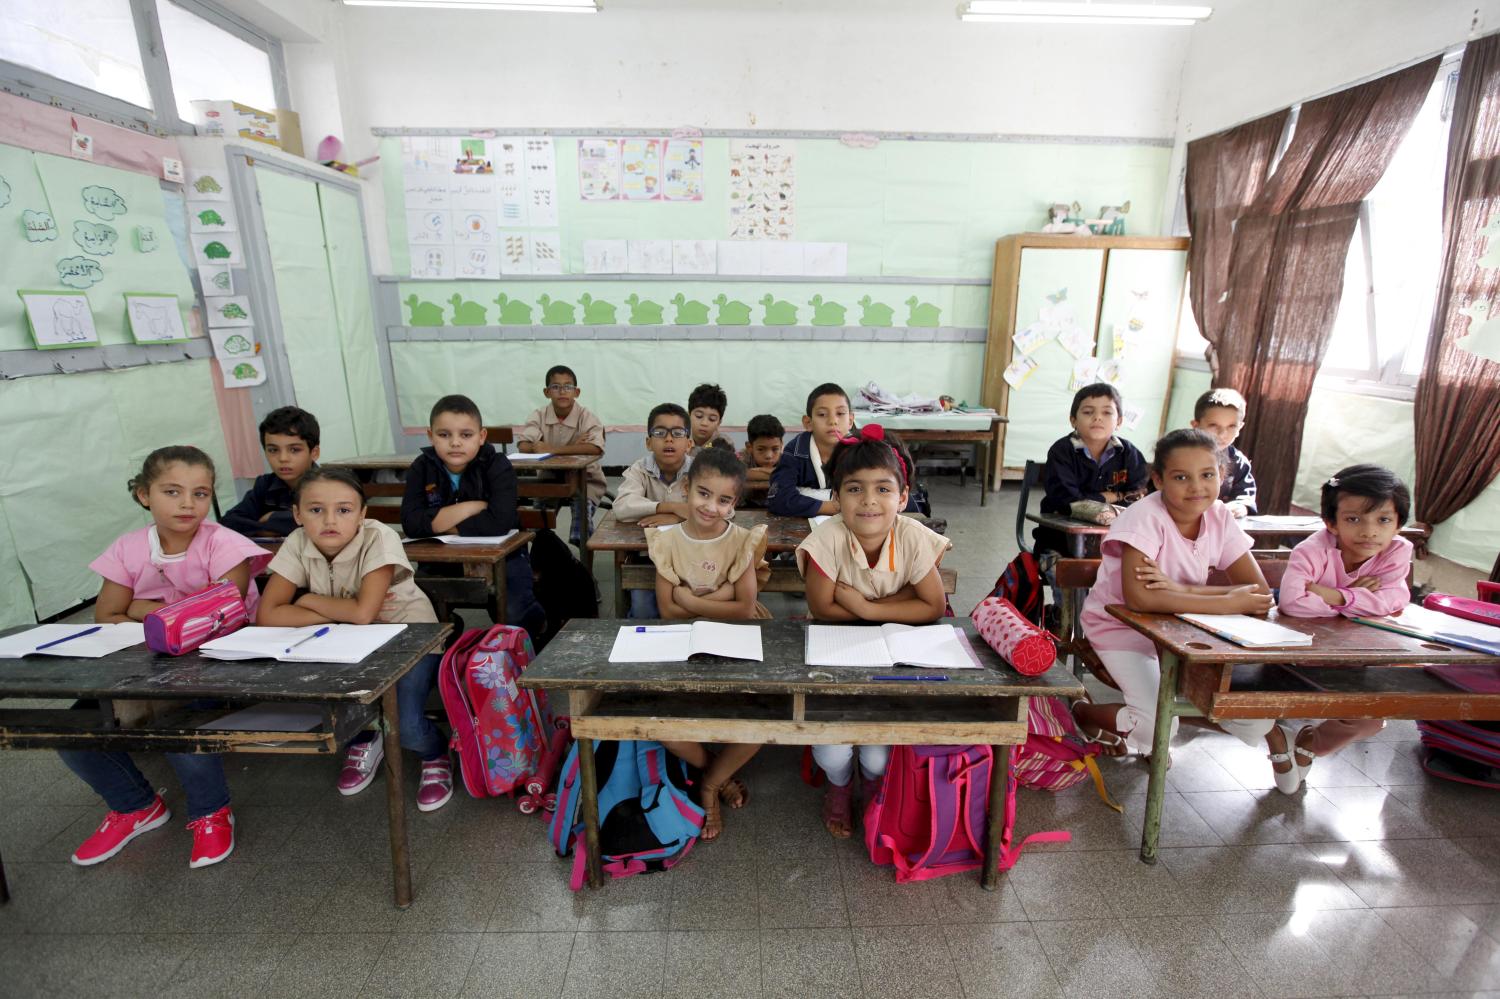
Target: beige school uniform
686, 561
581, 427
642, 487
909, 553
376, 545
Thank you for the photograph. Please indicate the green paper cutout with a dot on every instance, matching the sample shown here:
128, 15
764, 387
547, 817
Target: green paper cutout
732, 313
922, 314
513, 311
95, 237
206, 185
210, 217
555, 313
244, 371
691, 313
596, 311
221, 280
145, 239
643, 312
778, 313
232, 310
216, 251
4, 193
826, 313
423, 313
467, 313
79, 272
874, 313
1060, 295
103, 202
238, 344
39, 226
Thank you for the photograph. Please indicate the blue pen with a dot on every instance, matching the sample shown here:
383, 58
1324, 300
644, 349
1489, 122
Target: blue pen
69, 638
641, 629
317, 634
939, 678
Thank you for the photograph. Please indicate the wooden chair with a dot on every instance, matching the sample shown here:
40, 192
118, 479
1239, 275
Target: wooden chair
1030, 479
499, 435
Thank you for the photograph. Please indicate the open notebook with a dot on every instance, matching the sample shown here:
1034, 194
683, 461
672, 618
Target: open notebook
1249, 632
340, 643
1421, 622
518, 456
459, 539
938, 646
675, 643
81, 640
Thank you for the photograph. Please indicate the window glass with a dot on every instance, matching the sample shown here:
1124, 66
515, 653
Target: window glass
91, 43
210, 64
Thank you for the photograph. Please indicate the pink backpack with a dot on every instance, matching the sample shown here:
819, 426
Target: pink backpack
500, 731
1054, 756
929, 818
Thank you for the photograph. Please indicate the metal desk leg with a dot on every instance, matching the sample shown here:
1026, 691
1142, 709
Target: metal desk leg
585, 528
622, 605
395, 799
4, 885
1156, 788
982, 459
994, 834
498, 609
590, 809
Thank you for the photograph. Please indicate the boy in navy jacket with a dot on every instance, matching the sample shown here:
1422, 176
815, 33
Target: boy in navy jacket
1221, 412
798, 487
1090, 465
289, 436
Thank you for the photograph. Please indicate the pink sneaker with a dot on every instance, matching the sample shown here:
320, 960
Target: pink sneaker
119, 828
213, 837
436, 785
361, 764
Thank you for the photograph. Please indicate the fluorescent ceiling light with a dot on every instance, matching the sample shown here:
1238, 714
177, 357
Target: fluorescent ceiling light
1043, 12
535, 6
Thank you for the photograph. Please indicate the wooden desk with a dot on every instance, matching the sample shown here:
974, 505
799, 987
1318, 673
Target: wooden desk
1350, 671
352, 696
1265, 531
781, 701
927, 428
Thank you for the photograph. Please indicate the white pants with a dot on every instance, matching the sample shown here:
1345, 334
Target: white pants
838, 761
1139, 677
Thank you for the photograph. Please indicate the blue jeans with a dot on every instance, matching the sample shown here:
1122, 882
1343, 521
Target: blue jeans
521, 608
418, 733
578, 517
115, 778
643, 604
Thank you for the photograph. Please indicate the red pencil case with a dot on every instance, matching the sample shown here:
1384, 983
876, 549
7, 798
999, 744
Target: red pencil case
181, 627
1026, 647
1465, 607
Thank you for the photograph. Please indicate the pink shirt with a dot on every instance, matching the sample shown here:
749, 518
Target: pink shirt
1147, 527
133, 561
1318, 560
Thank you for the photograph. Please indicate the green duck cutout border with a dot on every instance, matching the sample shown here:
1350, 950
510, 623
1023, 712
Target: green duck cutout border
873, 313
424, 313
690, 312
643, 312
513, 311
921, 314
826, 313
778, 312
467, 313
731, 312
556, 313
596, 311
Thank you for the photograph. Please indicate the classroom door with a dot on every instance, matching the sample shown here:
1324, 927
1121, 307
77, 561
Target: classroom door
318, 265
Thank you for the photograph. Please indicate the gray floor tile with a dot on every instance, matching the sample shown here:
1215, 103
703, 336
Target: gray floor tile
1001, 960
519, 966
1261, 878
44, 832
230, 965
643, 902
327, 965
1461, 952
1180, 824
962, 899
536, 898
901, 961
1411, 872
616, 966
714, 897
125, 965
454, 898
362, 895
876, 899
281, 897
1387, 762
1374, 813
801, 894
725, 961
1095, 958
1185, 957
1366, 955
809, 964
1276, 950
422, 964
1452, 809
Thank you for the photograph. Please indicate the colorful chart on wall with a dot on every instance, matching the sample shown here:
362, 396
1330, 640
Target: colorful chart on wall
154, 317
59, 319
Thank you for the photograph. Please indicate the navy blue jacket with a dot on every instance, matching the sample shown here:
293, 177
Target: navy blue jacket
268, 494
489, 478
794, 470
1073, 475
1239, 481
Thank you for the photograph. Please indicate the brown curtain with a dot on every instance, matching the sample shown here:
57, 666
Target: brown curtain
1458, 397
1287, 265
1225, 174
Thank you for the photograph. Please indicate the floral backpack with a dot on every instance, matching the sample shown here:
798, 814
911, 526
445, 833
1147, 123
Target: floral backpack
500, 732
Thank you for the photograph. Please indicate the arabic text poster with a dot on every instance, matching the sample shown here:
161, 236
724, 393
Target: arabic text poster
762, 189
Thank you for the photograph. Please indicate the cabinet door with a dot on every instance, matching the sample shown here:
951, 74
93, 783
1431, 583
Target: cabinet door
1138, 326
1054, 284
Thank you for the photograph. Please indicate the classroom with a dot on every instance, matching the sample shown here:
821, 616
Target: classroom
476, 476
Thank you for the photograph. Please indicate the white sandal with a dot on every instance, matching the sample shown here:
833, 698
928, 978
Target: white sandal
1093, 733
1289, 781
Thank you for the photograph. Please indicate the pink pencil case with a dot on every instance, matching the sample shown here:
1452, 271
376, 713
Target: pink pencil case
1473, 610
181, 627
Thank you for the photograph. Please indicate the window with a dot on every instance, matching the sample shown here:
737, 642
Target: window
209, 63
1191, 346
90, 43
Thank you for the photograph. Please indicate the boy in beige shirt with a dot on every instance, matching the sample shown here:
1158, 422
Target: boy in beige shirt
564, 427
653, 491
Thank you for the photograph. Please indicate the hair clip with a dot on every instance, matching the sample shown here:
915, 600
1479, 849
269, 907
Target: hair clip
1333, 482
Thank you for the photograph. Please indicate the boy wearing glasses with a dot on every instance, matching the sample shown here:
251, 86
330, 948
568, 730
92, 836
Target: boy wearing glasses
564, 427
653, 491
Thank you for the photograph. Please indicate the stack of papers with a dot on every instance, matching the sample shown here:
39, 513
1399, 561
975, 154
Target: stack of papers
518, 456
1247, 631
77, 641
329, 643
676, 643
477, 539
1420, 622
937, 646
1266, 522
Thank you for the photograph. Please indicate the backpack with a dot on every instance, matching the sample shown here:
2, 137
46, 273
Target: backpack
500, 731
1466, 752
929, 819
1054, 757
564, 586
647, 819
1021, 584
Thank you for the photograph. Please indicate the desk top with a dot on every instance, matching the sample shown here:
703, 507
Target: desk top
401, 462
437, 551
1256, 527
1337, 641
783, 534
578, 659
952, 420
137, 672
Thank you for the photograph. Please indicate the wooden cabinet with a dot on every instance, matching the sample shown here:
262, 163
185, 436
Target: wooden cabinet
1124, 292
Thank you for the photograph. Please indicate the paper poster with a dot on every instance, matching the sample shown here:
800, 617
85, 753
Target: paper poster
1029, 339
208, 185
1077, 341
1111, 371
510, 173
242, 372
541, 183
476, 261
472, 158
782, 259
228, 311
211, 216
598, 169
433, 227
649, 256
695, 256
739, 258
426, 192
605, 256
640, 169
432, 262
427, 153
216, 248
59, 319
467, 192
474, 227
231, 344
154, 318
515, 253
1085, 372
546, 253
826, 259
1130, 417
682, 170
216, 279
762, 189
1018, 371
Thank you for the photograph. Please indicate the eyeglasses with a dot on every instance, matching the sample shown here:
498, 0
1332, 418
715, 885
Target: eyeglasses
676, 433
562, 389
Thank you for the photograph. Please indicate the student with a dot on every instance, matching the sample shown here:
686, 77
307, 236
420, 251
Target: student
763, 441
1091, 466
706, 407
177, 555
351, 570
799, 487
289, 437
706, 568
868, 564
564, 427
1157, 557
1221, 412
653, 491
462, 485
1358, 567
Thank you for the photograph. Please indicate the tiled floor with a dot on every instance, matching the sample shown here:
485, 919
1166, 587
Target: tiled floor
1374, 881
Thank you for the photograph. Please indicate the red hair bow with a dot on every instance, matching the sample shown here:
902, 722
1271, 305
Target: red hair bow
868, 432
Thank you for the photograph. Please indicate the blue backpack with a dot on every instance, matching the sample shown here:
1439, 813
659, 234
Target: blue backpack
648, 820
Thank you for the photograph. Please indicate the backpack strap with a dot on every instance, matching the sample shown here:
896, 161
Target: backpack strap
1008, 854
1056, 746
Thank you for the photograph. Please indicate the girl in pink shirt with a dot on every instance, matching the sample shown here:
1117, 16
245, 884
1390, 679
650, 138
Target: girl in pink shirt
1358, 568
1156, 558
146, 569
